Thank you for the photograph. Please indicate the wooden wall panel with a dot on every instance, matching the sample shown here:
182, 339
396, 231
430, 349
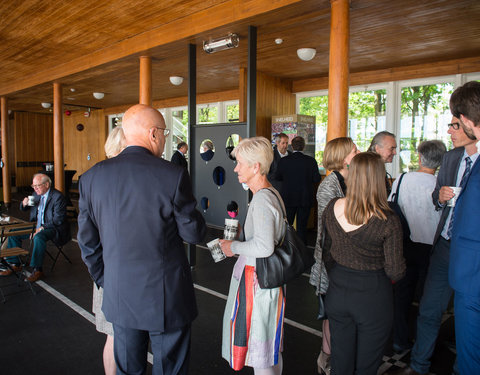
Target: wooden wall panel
274, 98
33, 144
80, 144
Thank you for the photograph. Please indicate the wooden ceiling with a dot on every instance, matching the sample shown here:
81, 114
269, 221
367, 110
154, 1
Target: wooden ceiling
93, 45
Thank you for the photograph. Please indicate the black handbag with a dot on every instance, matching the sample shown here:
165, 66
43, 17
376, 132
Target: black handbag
289, 259
396, 208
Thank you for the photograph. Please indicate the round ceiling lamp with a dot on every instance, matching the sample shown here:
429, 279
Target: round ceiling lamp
46, 105
98, 95
306, 54
176, 80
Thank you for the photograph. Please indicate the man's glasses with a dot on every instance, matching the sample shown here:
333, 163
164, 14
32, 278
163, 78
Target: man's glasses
454, 125
37, 186
166, 131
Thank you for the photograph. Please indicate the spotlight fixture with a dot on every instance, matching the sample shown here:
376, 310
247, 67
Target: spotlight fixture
176, 80
306, 54
46, 105
278, 41
98, 95
219, 44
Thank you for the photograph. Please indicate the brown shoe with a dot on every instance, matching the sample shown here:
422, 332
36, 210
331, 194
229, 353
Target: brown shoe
403, 371
35, 276
9, 271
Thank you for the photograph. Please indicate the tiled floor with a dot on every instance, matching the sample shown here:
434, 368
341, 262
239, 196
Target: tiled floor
52, 332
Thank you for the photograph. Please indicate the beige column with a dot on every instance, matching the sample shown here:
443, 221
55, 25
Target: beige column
145, 94
58, 157
5, 167
338, 77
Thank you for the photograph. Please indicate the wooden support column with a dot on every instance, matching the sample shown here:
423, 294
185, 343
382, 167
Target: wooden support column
338, 70
145, 96
4, 163
58, 158
252, 82
242, 95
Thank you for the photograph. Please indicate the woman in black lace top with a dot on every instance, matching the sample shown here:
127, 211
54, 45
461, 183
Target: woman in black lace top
364, 257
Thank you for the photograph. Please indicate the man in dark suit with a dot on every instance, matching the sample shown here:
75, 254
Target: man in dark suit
178, 156
136, 210
464, 272
298, 173
279, 151
49, 211
437, 291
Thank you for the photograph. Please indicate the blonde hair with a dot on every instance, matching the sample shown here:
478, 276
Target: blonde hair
336, 151
255, 150
115, 142
366, 192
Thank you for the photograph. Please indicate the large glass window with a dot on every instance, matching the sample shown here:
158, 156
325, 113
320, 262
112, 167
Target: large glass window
233, 111
424, 116
179, 126
207, 114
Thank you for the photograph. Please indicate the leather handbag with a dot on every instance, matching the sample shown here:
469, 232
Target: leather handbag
396, 208
289, 259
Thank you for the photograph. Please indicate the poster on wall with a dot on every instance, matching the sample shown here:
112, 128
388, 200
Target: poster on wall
296, 125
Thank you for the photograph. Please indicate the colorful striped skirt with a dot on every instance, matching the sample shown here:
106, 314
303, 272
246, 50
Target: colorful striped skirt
252, 323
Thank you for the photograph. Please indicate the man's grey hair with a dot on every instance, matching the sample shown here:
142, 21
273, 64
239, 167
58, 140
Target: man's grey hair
378, 140
431, 153
45, 178
280, 136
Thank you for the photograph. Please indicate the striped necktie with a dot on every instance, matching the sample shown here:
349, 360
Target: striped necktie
463, 182
41, 207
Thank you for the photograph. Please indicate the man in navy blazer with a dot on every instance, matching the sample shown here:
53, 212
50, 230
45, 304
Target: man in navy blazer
437, 291
136, 210
464, 272
298, 173
280, 150
49, 211
178, 156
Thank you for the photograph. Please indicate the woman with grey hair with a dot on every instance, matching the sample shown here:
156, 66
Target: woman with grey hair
415, 201
253, 318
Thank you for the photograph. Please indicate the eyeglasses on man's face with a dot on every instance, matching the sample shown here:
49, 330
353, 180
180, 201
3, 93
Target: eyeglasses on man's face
34, 186
454, 125
166, 131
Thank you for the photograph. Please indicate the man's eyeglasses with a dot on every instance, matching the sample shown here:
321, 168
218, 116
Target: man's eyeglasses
166, 131
454, 125
37, 186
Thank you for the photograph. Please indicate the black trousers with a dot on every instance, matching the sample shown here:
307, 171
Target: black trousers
171, 350
417, 257
359, 306
302, 212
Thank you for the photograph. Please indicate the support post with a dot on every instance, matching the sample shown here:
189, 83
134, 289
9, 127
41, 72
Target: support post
145, 89
252, 82
4, 163
58, 157
338, 78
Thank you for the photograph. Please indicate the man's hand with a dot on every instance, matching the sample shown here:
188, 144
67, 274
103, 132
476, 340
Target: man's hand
25, 202
445, 194
36, 232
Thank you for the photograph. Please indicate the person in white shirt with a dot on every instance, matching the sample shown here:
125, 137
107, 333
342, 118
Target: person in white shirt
415, 201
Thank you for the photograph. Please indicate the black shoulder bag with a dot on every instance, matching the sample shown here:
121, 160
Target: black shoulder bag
288, 261
396, 208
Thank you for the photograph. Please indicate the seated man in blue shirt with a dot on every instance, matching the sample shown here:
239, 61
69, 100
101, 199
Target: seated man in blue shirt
49, 211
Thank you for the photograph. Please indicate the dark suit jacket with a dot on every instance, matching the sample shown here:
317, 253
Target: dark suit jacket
464, 270
135, 212
447, 176
54, 216
298, 173
277, 184
179, 159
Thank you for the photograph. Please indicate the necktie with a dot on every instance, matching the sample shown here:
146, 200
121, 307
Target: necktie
463, 181
40, 211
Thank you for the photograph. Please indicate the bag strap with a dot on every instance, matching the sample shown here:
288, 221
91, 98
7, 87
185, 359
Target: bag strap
280, 202
395, 195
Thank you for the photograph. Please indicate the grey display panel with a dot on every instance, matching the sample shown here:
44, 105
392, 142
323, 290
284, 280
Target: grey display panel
204, 184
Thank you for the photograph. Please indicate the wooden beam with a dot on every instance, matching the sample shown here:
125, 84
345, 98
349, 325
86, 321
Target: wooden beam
338, 70
58, 158
226, 13
145, 95
436, 69
242, 95
5, 167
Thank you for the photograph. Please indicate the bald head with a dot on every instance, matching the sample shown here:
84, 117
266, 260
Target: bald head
142, 126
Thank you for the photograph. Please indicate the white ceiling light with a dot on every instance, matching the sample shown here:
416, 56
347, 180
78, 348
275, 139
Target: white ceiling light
98, 95
306, 54
46, 105
176, 80
278, 41
219, 44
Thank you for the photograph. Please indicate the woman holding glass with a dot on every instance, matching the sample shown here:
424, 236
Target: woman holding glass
253, 318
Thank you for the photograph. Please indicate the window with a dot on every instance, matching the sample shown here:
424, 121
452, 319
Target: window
424, 116
207, 114
233, 111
